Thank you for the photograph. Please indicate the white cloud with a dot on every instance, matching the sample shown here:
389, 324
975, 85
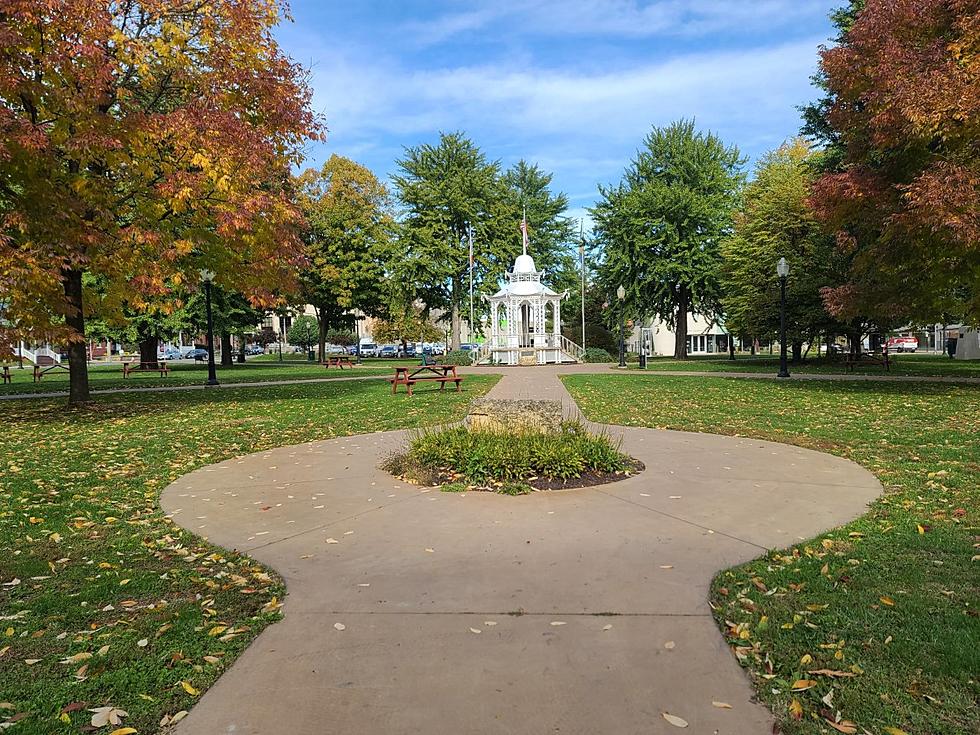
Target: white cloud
624, 18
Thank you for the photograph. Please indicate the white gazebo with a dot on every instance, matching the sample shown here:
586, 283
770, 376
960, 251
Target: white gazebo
525, 321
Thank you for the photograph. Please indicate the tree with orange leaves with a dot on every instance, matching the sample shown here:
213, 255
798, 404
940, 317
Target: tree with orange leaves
140, 141
904, 87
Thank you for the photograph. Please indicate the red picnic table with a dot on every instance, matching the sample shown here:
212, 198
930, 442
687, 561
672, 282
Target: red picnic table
441, 374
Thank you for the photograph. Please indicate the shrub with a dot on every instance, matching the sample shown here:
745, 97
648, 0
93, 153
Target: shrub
597, 354
506, 460
458, 357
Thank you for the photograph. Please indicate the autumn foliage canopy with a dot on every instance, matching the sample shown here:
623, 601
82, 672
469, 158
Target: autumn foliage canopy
905, 90
139, 142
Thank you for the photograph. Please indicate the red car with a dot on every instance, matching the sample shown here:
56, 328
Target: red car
903, 344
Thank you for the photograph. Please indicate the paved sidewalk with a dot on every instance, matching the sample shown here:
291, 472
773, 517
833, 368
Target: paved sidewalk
581, 611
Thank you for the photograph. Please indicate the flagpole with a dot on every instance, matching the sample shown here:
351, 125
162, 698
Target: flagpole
581, 252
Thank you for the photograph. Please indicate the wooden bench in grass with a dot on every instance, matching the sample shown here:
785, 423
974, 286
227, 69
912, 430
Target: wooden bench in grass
146, 367
339, 361
869, 358
440, 374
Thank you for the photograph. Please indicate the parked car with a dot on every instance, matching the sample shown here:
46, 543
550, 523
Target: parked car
336, 350
388, 351
369, 349
409, 350
171, 353
198, 353
254, 350
902, 344
469, 346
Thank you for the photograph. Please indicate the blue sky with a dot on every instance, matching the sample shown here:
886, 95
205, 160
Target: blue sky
573, 85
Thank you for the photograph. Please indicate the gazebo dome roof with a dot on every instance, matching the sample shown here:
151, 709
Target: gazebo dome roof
524, 264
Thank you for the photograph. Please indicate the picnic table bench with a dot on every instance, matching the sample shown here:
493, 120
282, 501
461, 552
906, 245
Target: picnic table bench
337, 361
441, 374
146, 367
868, 358
40, 372
6, 374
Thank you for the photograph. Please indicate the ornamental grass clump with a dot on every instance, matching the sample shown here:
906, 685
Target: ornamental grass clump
514, 462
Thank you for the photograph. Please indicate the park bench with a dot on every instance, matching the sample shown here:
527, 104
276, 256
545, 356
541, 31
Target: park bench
146, 367
868, 358
440, 374
7, 378
40, 372
337, 361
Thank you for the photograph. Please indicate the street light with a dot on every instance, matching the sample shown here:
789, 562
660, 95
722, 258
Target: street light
207, 277
782, 270
621, 295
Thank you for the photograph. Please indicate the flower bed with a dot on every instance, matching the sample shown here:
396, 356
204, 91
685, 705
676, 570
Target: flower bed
512, 462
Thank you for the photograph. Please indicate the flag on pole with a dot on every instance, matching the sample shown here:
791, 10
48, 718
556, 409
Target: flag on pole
524, 231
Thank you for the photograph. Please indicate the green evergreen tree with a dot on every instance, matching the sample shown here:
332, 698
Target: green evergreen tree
661, 226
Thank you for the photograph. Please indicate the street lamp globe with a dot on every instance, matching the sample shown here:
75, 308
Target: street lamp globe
782, 268
621, 293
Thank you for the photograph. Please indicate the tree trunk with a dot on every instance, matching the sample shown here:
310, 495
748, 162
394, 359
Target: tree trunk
753, 345
149, 348
731, 346
322, 340
225, 349
797, 352
456, 334
680, 333
75, 320
241, 350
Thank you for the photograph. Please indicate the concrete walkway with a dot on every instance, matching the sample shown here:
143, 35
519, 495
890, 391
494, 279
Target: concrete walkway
582, 611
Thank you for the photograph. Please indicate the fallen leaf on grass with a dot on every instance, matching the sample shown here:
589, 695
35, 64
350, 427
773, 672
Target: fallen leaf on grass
831, 673
885, 600
187, 687
893, 731
272, 605
801, 685
844, 726
674, 720
102, 716
123, 731
796, 709
76, 658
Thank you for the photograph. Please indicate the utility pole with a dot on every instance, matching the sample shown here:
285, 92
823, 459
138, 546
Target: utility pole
470, 228
581, 253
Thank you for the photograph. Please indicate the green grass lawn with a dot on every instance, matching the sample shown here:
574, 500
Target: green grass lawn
891, 601
906, 364
110, 376
105, 601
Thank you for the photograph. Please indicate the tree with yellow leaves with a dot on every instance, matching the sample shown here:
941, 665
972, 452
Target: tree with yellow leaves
141, 142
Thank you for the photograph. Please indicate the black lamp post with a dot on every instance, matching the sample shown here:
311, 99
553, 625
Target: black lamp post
621, 295
208, 276
782, 270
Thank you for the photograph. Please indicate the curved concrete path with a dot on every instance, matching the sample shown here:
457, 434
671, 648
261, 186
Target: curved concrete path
414, 611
